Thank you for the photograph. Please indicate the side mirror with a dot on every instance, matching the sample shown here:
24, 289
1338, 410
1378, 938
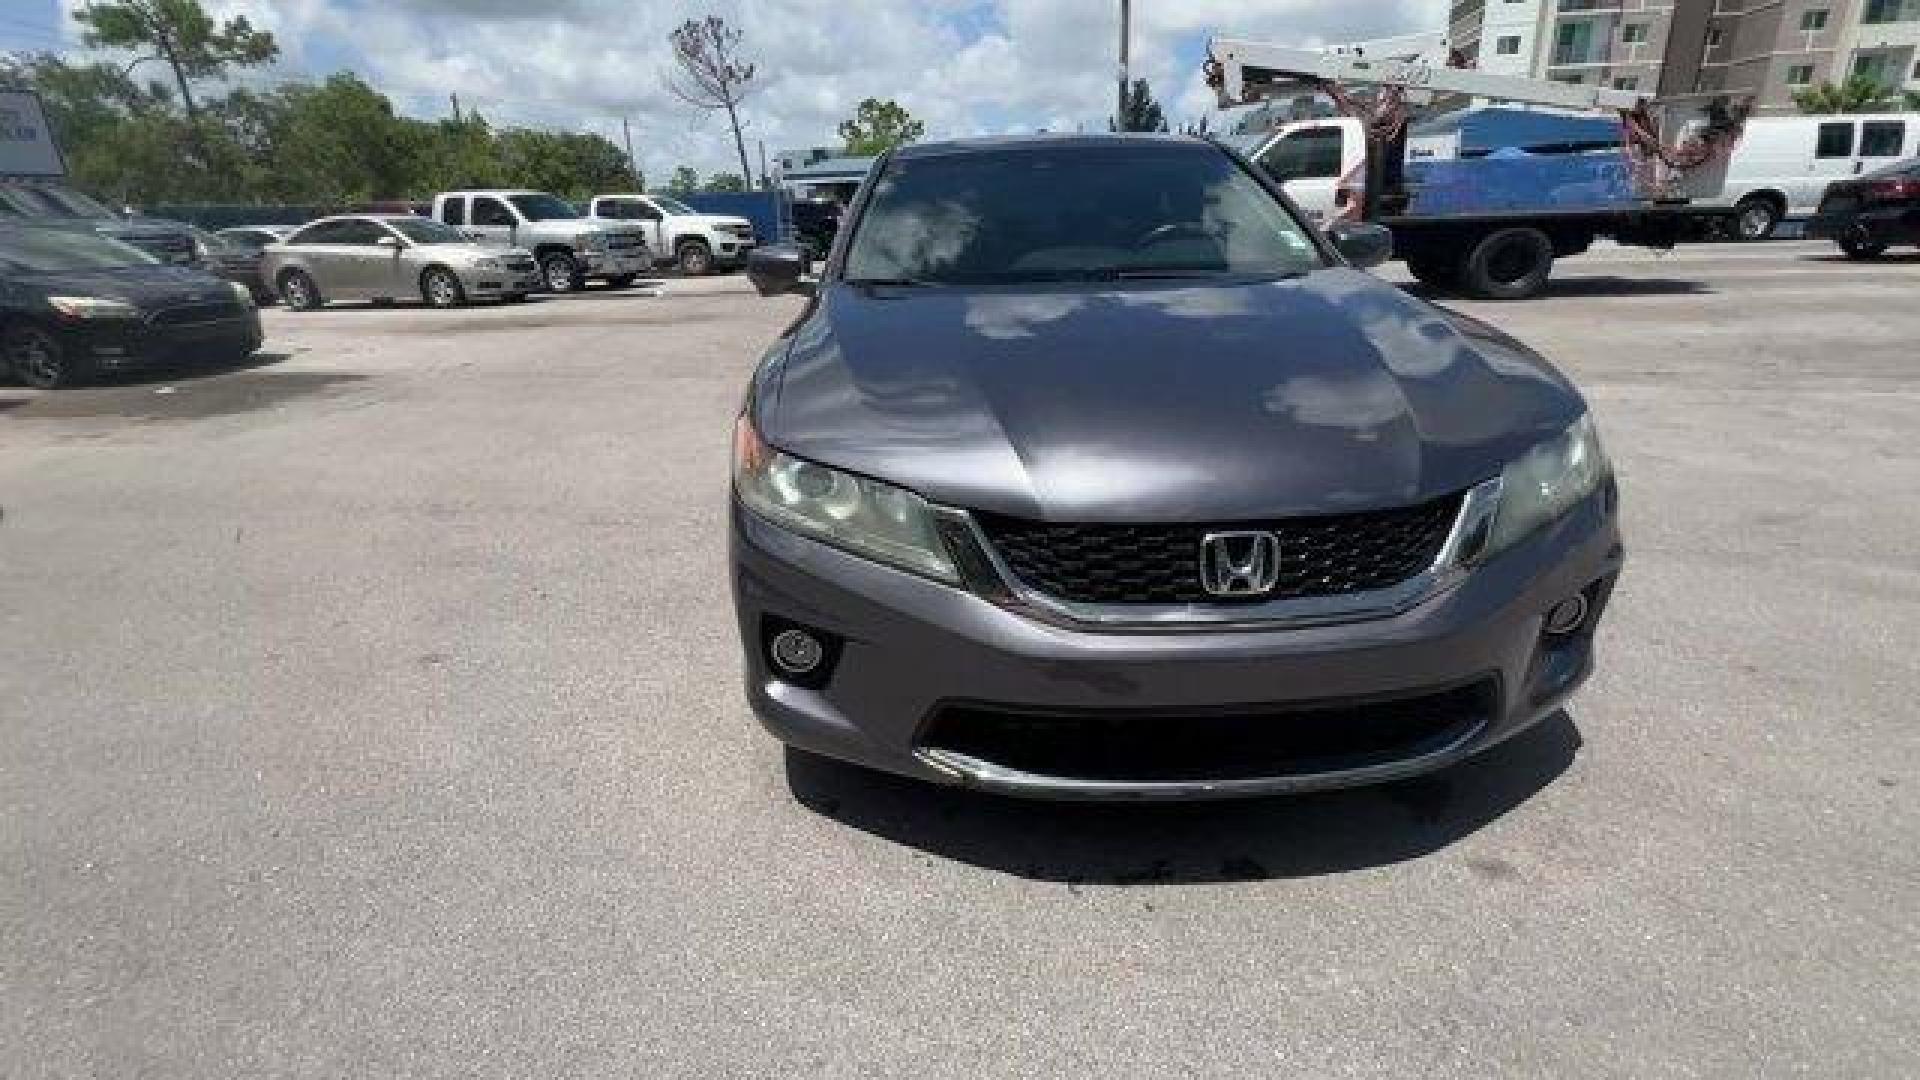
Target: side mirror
776, 270
1363, 244
389, 242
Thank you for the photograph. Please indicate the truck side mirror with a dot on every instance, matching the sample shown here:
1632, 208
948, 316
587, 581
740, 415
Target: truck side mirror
776, 270
1361, 243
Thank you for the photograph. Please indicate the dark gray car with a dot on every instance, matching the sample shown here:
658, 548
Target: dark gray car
1090, 471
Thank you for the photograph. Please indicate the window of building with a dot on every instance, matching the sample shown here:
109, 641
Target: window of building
1800, 75
1882, 138
1836, 141
1813, 19
1874, 67
1715, 36
1507, 46
1627, 82
1633, 33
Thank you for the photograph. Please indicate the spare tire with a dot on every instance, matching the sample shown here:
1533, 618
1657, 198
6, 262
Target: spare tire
1508, 264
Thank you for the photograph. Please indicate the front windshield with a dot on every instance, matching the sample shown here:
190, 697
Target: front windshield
77, 203
56, 251
543, 207
427, 231
672, 206
40, 202
1054, 213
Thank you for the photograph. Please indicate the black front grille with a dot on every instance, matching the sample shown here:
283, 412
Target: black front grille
1160, 564
1251, 743
187, 314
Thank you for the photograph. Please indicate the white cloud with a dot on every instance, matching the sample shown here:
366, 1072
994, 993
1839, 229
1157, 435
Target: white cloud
965, 67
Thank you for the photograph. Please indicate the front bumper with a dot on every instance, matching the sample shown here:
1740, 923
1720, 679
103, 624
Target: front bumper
507, 281
115, 345
623, 263
910, 654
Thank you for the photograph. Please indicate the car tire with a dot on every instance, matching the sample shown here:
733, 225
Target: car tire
440, 288
37, 357
1508, 264
621, 281
1857, 245
1755, 218
1434, 273
695, 258
298, 291
561, 272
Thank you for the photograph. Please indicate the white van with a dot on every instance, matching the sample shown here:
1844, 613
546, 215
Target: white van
1782, 165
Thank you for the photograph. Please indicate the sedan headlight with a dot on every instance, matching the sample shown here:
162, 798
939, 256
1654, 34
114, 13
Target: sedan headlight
1546, 482
880, 521
93, 307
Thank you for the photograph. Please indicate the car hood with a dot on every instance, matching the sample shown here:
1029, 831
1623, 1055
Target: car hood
1224, 402
145, 287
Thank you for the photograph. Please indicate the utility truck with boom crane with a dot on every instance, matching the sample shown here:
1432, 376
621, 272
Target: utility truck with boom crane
1483, 214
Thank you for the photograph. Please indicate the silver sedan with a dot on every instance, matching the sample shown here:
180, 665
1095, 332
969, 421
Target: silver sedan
392, 257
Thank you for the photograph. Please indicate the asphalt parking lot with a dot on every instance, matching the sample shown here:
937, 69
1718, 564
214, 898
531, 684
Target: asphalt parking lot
373, 711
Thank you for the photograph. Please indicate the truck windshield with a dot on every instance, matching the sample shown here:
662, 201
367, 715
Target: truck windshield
1067, 212
57, 251
543, 207
427, 231
671, 206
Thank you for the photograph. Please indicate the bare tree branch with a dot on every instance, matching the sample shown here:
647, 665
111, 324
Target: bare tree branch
710, 73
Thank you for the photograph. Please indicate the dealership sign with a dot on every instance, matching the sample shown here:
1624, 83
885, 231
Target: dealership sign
26, 142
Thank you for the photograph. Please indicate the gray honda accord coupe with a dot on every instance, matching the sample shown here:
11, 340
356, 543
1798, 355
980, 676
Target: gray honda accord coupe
1090, 471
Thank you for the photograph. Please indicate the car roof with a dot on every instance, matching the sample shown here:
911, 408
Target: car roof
1001, 143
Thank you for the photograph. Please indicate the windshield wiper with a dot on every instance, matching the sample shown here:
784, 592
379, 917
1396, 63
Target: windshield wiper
889, 283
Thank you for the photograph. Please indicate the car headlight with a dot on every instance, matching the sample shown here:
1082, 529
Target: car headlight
1546, 482
486, 264
241, 293
93, 307
880, 521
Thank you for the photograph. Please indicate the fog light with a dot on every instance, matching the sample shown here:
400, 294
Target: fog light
796, 652
1567, 615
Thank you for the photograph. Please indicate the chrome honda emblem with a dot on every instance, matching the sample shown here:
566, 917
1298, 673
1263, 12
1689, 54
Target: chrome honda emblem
1239, 563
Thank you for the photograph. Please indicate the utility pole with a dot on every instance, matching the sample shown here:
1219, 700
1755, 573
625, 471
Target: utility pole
765, 181
1120, 109
456, 107
626, 132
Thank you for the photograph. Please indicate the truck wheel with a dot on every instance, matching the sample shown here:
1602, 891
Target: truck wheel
36, 357
561, 272
1755, 217
696, 260
439, 288
1510, 264
298, 292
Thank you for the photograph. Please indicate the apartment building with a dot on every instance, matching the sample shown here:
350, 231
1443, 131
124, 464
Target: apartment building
1771, 48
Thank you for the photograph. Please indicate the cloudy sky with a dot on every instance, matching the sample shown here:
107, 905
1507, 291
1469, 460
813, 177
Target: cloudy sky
963, 66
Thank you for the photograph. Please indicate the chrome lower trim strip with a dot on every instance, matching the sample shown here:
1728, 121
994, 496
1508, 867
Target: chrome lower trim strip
989, 776
1468, 534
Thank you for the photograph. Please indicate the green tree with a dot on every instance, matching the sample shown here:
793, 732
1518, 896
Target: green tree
341, 142
879, 126
1861, 93
683, 181
1139, 112
121, 141
462, 154
180, 34
726, 181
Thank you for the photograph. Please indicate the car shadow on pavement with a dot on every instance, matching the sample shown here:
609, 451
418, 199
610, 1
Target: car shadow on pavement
1144, 844
1891, 258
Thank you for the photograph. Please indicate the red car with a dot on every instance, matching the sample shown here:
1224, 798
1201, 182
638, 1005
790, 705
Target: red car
1869, 214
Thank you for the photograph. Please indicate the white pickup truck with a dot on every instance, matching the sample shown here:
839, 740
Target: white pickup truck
697, 243
569, 248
